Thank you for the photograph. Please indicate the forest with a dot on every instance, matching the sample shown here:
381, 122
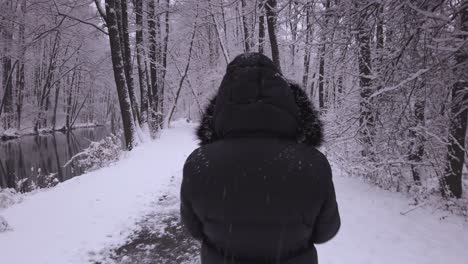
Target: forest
389, 78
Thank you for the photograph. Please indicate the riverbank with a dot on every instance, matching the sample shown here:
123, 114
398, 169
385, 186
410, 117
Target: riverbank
67, 223
30, 162
11, 133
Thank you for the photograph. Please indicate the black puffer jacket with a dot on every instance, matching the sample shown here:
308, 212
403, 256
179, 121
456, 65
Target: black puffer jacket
257, 190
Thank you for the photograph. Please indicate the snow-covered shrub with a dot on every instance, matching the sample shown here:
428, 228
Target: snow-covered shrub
38, 181
47, 180
3, 225
99, 154
10, 133
389, 165
9, 197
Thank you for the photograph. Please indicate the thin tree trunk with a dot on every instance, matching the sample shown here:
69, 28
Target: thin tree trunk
271, 23
308, 39
416, 148
140, 61
127, 55
261, 27
70, 100
245, 27
159, 58
321, 77
366, 119
7, 82
293, 25
322, 50
417, 141
164, 52
20, 76
154, 99
223, 15
57, 93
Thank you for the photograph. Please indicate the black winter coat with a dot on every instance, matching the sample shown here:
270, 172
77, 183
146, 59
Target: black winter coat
257, 190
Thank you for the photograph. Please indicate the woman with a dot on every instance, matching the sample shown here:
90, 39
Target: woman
257, 190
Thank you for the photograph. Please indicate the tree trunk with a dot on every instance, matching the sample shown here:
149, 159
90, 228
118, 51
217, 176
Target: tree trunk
416, 144
112, 6
20, 74
321, 55
154, 99
293, 25
321, 77
366, 119
417, 141
70, 100
7, 82
140, 61
223, 15
164, 52
452, 179
271, 23
308, 39
57, 93
159, 70
245, 27
127, 55
261, 27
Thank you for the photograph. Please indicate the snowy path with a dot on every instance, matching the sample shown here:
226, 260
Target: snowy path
101, 210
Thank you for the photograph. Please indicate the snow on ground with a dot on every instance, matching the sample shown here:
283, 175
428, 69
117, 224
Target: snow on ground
102, 209
96, 210
377, 228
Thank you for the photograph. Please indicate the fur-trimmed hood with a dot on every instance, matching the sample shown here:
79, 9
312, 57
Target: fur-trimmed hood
256, 73
309, 130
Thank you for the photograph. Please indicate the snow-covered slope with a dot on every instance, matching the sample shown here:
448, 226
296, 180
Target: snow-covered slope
99, 210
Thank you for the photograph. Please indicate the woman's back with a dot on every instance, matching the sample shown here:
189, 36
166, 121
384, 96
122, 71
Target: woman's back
253, 193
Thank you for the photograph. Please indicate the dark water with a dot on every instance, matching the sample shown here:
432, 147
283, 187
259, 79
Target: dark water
38, 161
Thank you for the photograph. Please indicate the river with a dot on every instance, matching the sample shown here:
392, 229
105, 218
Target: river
38, 161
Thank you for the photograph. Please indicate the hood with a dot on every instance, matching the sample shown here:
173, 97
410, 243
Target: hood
254, 98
